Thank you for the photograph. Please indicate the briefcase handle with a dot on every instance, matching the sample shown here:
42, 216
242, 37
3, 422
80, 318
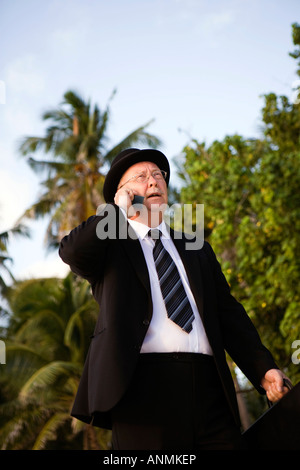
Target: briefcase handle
286, 383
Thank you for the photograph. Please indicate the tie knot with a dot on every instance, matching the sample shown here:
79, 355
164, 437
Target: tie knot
154, 233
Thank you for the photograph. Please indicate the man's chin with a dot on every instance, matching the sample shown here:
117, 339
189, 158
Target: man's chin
155, 202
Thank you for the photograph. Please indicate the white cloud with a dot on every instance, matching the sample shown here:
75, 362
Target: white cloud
214, 25
69, 40
65, 39
216, 21
15, 195
19, 121
45, 268
2, 92
23, 75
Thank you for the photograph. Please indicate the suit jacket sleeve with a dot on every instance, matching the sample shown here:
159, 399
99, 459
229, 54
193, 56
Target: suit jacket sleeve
85, 248
241, 339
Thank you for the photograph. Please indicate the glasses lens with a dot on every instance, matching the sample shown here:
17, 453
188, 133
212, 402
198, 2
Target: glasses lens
142, 177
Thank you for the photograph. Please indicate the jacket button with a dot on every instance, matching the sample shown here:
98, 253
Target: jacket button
146, 322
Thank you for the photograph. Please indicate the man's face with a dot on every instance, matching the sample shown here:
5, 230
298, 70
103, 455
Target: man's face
154, 189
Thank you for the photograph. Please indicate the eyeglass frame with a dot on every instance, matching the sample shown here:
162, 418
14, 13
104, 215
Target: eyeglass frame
163, 173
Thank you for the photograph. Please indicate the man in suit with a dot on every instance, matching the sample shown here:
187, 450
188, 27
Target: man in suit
156, 371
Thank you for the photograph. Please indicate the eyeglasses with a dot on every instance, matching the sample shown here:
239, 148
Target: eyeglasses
143, 177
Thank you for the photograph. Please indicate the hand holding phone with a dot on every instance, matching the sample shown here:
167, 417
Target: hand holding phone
138, 200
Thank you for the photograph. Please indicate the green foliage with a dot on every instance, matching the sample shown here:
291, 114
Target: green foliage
76, 141
17, 230
252, 214
296, 41
46, 344
250, 188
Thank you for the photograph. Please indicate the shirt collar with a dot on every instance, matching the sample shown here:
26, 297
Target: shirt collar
142, 229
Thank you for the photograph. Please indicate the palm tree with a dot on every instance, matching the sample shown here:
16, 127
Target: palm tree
77, 140
17, 230
50, 322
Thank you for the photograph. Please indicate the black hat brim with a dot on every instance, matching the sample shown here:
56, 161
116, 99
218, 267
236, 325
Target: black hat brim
125, 160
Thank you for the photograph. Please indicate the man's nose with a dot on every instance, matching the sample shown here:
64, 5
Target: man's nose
152, 181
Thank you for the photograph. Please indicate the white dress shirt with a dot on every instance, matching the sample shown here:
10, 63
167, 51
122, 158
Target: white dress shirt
163, 334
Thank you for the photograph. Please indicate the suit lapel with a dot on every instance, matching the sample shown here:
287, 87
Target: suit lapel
192, 267
201, 281
191, 263
135, 254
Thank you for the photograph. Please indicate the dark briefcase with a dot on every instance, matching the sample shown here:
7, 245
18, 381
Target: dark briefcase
279, 427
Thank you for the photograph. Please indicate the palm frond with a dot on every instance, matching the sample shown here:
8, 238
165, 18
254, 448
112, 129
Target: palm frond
39, 166
18, 229
21, 362
49, 430
31, 144
47, 375
17, 433
137, 137
59, 116
76, 138
46, 319
40, 208
72, 98
75, 334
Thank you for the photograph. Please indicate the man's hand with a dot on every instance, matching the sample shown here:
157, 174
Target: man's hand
124, 198
273, 384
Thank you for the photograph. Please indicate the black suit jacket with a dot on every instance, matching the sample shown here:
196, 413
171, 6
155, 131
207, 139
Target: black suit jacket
117, 272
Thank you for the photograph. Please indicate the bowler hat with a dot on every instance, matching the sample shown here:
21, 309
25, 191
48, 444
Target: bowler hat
125, 160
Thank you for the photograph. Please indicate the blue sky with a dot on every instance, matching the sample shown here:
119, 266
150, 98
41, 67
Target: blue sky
197, 67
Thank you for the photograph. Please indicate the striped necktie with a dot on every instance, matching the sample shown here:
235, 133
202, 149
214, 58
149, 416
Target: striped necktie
177, 304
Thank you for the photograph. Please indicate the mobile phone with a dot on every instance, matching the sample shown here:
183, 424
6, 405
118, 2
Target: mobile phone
138, 200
